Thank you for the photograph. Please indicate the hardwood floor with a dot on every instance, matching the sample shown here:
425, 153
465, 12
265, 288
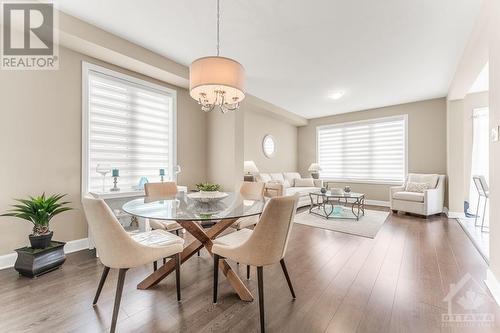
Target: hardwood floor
393, 283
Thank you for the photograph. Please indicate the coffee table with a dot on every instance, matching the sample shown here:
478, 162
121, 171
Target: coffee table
323, 204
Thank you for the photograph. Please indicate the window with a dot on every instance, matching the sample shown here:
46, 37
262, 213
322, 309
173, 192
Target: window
128, 124
372, 151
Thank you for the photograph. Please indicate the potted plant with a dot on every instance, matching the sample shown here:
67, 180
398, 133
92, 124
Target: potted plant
208, 187
39, 211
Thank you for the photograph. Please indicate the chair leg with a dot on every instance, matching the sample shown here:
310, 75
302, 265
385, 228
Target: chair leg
155, 266
248, 272
198, 253
118, 297
177, 232
216, 275
283, 266
101, 284
164, 261
178, 275
260, 279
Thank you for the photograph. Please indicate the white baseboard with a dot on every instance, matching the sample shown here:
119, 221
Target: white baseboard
378, 203
454, 215
493, 286
8, 260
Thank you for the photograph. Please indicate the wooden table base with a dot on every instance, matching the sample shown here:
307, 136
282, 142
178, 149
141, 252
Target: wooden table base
203, 239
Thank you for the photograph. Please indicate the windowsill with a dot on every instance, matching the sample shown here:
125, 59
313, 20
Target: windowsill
356, 181
126, 193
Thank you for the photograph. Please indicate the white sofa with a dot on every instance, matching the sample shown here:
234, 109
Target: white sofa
284, 183
428, 202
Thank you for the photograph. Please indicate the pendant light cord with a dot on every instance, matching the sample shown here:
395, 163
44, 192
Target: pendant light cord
218, 27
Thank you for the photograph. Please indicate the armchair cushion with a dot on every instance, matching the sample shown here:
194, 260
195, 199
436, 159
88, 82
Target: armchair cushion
416, 187
409, 196
430, 179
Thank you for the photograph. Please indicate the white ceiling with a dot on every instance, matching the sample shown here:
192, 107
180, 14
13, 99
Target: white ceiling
298, 52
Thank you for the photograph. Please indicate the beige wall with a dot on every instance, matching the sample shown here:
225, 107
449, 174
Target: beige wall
257, 125
495, 146
426, 139
455, 155
40, 126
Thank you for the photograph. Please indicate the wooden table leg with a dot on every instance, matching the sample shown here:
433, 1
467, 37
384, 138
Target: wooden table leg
203, 239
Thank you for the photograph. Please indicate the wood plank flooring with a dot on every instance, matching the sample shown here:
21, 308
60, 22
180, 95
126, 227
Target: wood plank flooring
393, 283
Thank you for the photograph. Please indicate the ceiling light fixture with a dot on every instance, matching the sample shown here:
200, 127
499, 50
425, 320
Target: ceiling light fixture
217, 81
337, 94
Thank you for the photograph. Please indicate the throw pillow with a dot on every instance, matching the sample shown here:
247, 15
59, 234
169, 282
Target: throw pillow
304, 182
416, 187
264, 177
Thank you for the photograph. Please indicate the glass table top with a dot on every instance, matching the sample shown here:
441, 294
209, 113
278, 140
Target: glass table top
339, 195
182, 207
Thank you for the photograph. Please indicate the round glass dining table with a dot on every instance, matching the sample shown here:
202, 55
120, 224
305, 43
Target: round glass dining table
190, 213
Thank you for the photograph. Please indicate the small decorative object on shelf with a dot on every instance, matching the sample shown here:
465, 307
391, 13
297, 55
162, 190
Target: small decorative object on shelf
142, 182
103, 169
162, 174
337, 210
115, 173
347, 189
323, 190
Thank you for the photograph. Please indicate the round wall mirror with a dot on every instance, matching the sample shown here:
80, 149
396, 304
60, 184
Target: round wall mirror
269, 146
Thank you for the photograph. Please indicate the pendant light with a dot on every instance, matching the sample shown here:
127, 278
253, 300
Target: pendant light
217, 81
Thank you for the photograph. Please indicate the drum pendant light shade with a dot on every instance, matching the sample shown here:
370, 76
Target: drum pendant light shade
211, 78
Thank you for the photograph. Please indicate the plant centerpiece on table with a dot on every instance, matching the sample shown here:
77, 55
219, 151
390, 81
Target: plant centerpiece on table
208, 187
39, 211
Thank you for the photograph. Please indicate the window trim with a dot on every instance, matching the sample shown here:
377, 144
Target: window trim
86, 68
403, 117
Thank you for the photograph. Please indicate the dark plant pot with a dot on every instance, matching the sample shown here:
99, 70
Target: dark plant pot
42, 241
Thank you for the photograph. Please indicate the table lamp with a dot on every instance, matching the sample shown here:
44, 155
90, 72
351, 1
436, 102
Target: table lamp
314, 168
249, 168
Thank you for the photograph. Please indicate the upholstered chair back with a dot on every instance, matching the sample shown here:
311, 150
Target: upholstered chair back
268, 242
163, 189
252, 190
116, 249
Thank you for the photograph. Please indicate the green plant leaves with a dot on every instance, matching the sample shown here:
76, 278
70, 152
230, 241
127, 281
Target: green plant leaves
39, 210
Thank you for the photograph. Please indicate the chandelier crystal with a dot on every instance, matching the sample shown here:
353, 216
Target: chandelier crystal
217, 81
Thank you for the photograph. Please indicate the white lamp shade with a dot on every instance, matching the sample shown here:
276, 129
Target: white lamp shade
210, 74
314, 167
250, 167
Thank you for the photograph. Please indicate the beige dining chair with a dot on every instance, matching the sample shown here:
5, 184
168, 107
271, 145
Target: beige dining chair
264, 245
249, 191
117, 249
162, 190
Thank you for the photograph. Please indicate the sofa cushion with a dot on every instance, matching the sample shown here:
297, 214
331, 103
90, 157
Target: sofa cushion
430, 179
409, 196
278, 178
302, 191
303, 182
291, 176
265, 177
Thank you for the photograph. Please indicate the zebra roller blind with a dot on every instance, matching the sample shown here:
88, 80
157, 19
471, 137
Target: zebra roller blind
372, 151
130, 128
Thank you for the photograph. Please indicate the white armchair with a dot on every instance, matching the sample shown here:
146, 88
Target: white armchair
428, 202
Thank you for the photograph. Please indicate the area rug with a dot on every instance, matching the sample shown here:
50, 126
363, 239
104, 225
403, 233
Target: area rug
367, 226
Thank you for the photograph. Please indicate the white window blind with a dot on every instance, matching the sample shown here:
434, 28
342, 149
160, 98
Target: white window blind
130, 126
371, 151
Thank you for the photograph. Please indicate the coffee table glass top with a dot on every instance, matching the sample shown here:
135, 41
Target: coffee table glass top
183, 208
329, 194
